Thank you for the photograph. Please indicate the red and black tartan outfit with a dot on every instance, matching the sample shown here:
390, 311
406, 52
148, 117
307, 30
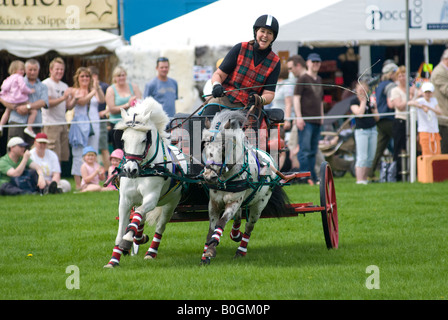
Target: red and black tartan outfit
246, 74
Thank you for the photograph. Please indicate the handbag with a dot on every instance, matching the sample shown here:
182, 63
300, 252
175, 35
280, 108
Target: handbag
91, 131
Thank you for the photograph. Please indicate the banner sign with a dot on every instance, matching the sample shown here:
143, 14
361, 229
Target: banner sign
58, 14
386, 15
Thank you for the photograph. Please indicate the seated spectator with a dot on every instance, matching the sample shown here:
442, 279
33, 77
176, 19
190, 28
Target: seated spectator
49, 162
115, 159
91, 171
18, 173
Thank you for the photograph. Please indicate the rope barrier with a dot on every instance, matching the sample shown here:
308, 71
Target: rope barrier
346, 116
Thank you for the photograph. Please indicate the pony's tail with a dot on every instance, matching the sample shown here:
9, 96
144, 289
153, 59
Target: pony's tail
277, 204
153, 216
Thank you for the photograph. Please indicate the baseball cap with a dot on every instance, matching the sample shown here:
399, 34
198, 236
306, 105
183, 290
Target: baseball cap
88, 149
16, 141
42, 137
314, 57
427, 86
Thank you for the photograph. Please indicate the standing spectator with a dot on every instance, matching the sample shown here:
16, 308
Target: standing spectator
365, 132
162, 88
439, 78
296, 67
428, 127
86, 96
37, 101
398, 101
385, 124
103, 145
49, 162
120, 95
58, 94
15, 91
284, 91
249, 64
308, 102
15, 174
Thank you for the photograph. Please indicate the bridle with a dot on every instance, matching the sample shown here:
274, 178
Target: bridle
138, 158
225, 165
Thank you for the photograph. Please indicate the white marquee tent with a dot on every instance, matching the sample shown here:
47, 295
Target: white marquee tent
225, 22
28, 44
316, 23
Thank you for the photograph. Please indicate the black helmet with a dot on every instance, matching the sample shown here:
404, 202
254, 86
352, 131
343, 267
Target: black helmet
266, 21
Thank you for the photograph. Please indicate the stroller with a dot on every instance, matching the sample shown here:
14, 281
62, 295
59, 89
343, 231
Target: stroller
338, 144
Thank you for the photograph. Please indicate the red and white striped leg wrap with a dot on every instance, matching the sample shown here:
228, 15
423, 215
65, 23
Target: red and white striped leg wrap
242, 249
153, 248
135, 222
203, 259
216, 237
139, 237
116, 256
236, 234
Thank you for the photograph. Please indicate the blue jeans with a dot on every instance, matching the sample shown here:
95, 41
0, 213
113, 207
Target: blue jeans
366, 140
308, 142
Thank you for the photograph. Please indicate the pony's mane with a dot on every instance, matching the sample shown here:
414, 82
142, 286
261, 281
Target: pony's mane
137, 117
236, 116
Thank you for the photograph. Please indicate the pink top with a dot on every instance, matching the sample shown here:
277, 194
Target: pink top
90, 170
111, 185
14, 89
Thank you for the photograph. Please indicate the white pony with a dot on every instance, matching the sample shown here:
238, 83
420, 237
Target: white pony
149, 182
241, 179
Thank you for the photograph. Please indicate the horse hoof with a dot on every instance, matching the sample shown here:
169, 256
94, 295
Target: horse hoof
125, 245
204, 262
149, 257
111, 265
129, 236
239, 254
210, 254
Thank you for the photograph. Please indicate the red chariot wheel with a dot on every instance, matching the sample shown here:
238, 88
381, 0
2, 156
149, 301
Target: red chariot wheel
328, 202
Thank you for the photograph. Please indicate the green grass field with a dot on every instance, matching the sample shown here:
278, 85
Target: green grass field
400, 229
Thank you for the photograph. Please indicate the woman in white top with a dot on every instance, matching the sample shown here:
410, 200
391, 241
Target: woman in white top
85, 128
398, 101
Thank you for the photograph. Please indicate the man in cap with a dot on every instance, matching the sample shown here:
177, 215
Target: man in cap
308, 102
49, 162
15, 174
385, 124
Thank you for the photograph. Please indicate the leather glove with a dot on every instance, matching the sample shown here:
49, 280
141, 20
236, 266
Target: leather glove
255, 100
218, 90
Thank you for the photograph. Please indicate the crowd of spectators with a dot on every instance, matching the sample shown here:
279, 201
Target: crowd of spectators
36, 116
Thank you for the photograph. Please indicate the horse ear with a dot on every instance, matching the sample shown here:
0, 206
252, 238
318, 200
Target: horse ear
124, 113
227, 126
207, 123
147, 116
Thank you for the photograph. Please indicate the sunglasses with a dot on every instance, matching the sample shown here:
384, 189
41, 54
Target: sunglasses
162, 59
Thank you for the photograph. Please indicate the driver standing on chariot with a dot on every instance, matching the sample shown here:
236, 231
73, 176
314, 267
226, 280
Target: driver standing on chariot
248, 64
